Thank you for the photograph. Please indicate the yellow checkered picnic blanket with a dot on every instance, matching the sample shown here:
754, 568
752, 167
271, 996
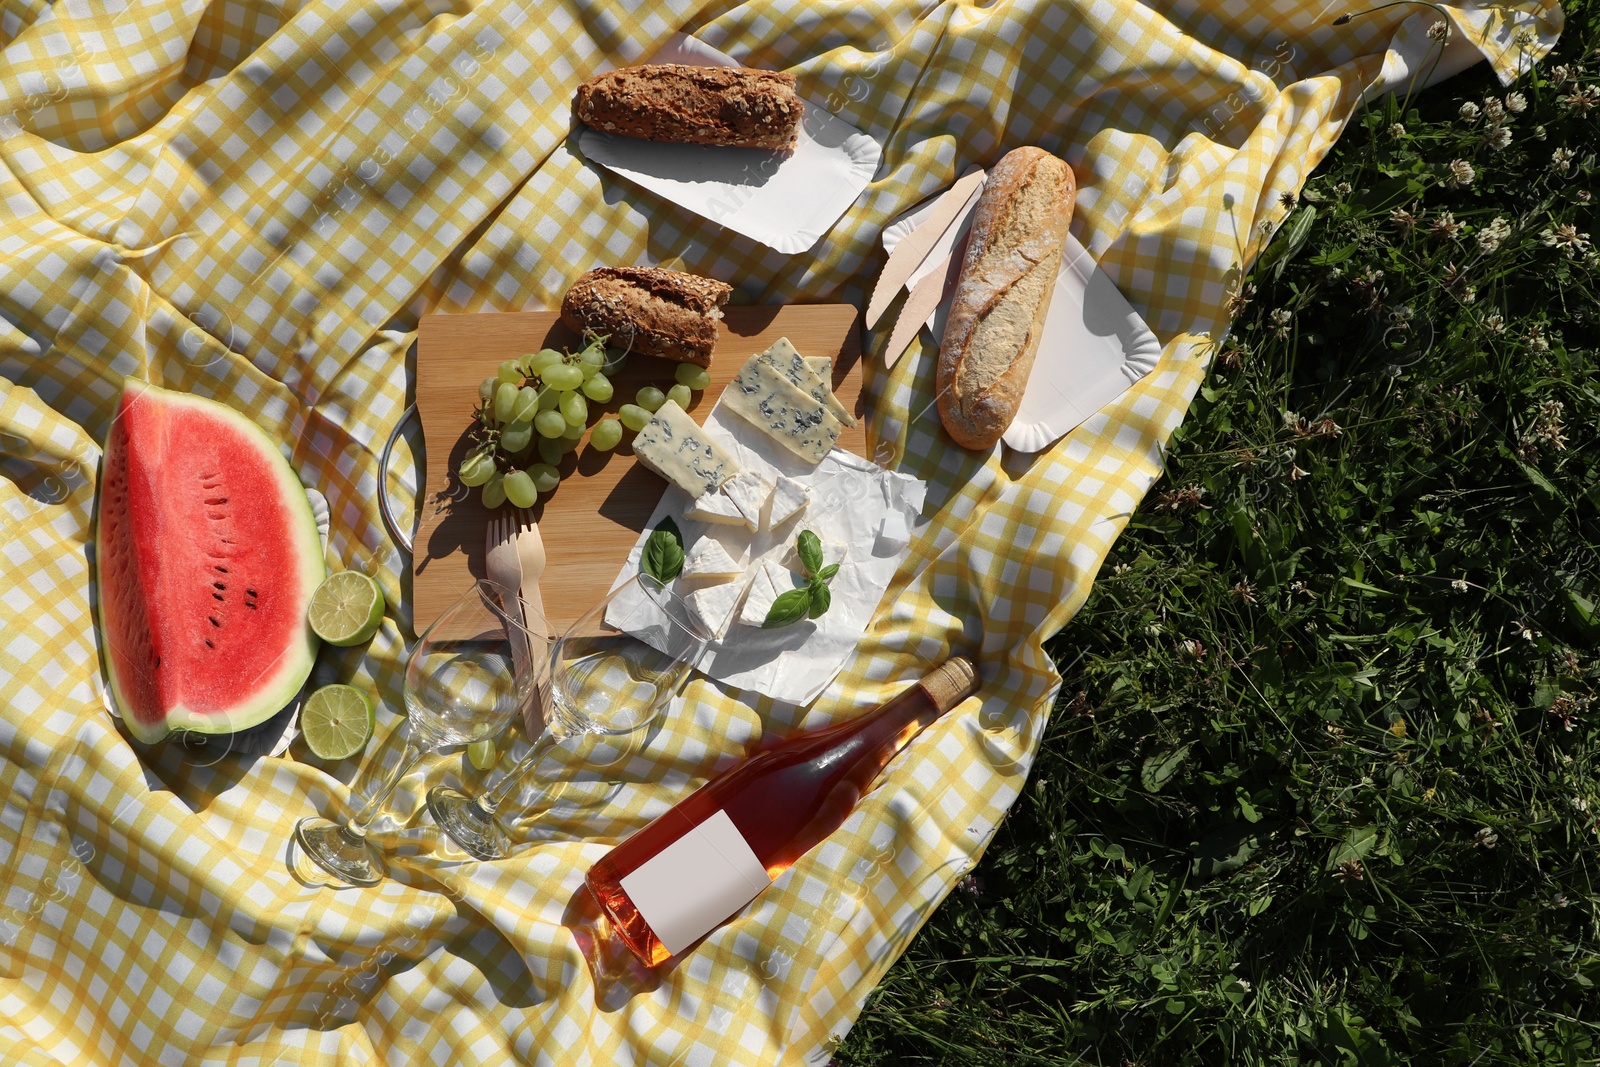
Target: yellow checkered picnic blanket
256, 199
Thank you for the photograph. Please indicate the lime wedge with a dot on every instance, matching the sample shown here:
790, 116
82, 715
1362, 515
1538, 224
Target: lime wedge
347, 609
336, 721
482, 753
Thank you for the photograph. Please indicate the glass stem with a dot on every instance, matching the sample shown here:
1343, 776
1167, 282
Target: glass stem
414, 751
491, 800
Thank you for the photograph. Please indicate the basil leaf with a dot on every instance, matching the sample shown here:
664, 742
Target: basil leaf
809, 546
827, 573
788, 608
662, 558
818, 599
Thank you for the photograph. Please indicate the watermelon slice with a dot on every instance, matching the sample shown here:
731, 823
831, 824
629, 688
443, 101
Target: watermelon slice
208, 554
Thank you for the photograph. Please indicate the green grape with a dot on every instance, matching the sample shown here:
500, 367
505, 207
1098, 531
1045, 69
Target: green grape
598, 388
550, 424
606, 435
549, 398
527, 405
477, 468
550, 449
572, 433
574, 409
505, 398
544, 476
615, 358
510, 372
650, 398
494, 492
633, 417
563, 377
486, 388
544, 359
679, 394
692, 376
515, 438
519, 489
592, 360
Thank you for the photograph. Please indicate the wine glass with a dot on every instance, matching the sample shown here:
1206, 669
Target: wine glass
473, 670
603, 680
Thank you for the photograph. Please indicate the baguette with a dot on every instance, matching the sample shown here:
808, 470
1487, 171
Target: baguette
733, 106
1008, 274
649, 310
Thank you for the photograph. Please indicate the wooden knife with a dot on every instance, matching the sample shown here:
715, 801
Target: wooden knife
924, 298
913, 248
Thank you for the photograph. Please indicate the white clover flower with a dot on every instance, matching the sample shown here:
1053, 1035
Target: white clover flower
1496, 138
1495, 323
1516, 103
1561, 160
1493, 109
1493, 235
1469, 112
1459, 585
1461, 174
1438, 31
1397, 131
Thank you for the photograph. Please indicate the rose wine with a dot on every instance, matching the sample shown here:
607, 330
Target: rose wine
693, 867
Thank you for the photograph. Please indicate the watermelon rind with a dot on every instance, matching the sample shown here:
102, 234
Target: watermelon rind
290, 669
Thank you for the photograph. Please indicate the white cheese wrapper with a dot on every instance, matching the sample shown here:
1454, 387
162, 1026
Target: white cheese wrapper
850, 498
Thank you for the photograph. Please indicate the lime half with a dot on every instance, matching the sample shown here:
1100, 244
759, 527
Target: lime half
482, 753
336, 721
347, 609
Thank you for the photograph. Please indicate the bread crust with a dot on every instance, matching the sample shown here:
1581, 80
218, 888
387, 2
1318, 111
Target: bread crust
731, 106
649, 310
1008, 274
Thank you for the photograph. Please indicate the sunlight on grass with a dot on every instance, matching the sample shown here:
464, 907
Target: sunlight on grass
1321, 786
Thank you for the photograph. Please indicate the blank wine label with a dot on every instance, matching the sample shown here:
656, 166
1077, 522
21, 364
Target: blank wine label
693, 884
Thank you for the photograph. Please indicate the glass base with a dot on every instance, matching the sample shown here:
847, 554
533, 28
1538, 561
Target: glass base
347, 857
468, 825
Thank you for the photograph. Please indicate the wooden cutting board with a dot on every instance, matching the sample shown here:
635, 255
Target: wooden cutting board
592, 519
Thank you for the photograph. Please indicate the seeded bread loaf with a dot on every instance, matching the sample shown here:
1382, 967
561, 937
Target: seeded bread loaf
649, 310
1008, 275
699, 105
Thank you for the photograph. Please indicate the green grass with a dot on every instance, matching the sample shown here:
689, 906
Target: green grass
1322, 783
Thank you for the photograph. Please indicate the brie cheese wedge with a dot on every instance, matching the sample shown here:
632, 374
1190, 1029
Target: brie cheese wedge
789, 499
708, 558
714, 605
769, 580
737, 502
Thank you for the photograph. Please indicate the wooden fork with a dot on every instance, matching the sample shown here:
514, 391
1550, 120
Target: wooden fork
501, 562
530, 558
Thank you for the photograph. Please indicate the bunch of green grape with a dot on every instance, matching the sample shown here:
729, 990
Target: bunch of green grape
539, 404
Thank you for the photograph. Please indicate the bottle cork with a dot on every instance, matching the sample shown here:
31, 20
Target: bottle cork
951, 682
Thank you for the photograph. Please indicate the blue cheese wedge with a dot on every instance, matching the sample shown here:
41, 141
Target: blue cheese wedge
715, 605
770, 579
674, 446
707, 558
737, 502
818, 385
770, 401
789, 499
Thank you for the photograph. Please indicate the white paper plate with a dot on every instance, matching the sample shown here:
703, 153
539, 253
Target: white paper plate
1094, 346
786, 203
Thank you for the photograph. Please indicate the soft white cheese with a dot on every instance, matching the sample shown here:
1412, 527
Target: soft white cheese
737, 502
769, 580
770, 401
789, 498
673, 445
708, 558
714, 605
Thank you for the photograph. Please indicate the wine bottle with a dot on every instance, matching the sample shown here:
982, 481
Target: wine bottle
694, 866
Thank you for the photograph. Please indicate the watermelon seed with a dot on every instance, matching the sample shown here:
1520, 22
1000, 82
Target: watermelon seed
214, 501
218, 585
216, 596
214, 621
209, 644
220, 567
